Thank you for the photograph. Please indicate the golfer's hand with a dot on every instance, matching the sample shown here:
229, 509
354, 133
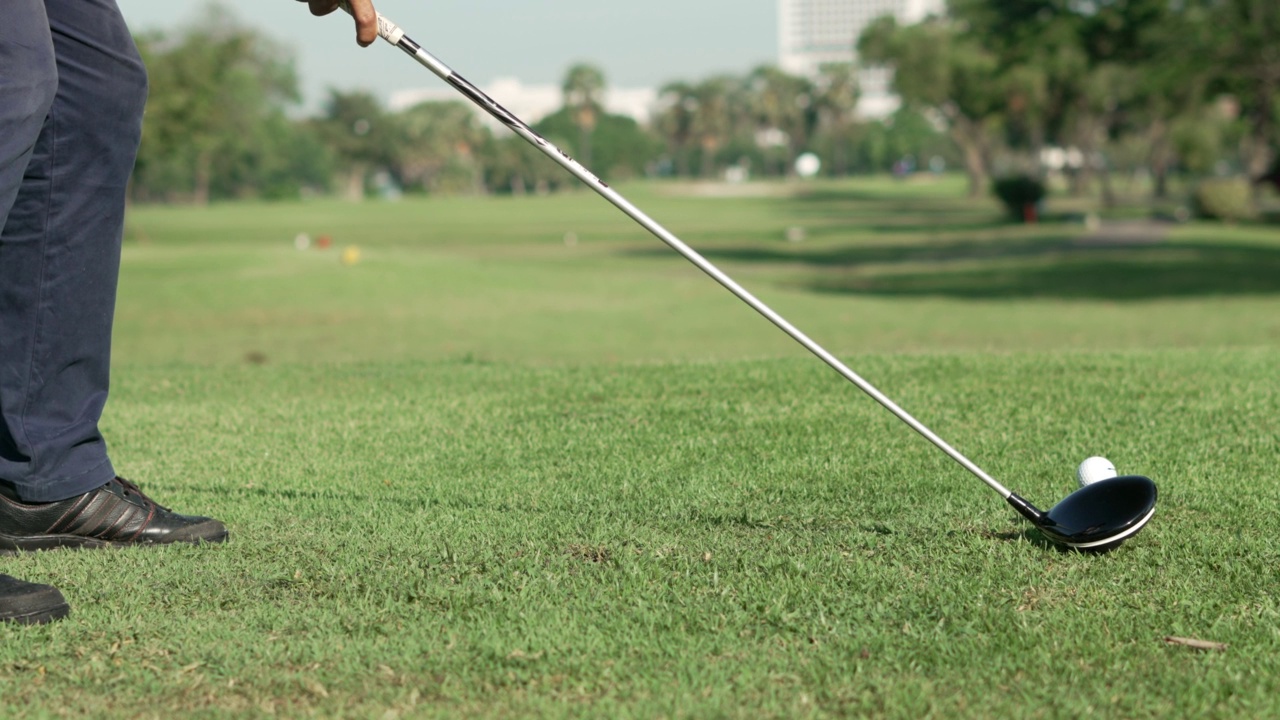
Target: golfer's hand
362, 10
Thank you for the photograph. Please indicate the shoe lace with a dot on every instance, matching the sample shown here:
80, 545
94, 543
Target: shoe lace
131, 489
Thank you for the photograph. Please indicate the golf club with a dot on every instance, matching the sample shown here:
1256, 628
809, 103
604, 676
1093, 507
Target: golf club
1096, 517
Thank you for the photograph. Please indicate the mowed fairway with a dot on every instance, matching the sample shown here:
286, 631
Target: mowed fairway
523, 460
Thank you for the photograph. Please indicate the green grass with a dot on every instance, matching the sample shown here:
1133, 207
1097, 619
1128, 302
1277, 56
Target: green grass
483, 473
494, 280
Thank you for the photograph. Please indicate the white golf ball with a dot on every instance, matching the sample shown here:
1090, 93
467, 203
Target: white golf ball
1094, 469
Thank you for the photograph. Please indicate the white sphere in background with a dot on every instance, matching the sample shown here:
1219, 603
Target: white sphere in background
808, 165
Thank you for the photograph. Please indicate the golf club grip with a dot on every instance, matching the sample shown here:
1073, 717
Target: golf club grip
387, 30
392, 33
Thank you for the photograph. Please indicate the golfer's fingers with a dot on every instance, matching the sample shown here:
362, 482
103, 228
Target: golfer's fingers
362, 10
322, 7
366, 21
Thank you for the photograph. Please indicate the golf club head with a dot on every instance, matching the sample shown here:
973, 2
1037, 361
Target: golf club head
1100, 516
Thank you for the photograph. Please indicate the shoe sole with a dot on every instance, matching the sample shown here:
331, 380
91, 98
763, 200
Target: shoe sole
38, 617
31, 603
14, 544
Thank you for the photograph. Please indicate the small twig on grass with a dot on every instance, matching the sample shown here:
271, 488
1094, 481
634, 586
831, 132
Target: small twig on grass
1193, 643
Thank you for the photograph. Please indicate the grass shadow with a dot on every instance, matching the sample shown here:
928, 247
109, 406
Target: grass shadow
1059, 266
1077, 273
837, 256
1028, 535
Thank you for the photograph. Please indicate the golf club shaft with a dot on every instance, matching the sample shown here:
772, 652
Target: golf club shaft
392, 33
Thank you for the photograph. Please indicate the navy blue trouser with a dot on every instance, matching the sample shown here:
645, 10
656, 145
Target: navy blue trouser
72, 92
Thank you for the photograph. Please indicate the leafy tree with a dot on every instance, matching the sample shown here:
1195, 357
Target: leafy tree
360, 135
1073, 71
512, 165
906, 133
1041, 66
217, 91
1246, 60
439, 147
278, 159
621, 148
1163, 45
1104, 69
938, 67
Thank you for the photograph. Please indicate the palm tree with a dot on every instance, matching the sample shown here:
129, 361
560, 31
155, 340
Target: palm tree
674, 122
836, 98
583, 88
784, 110
715, 102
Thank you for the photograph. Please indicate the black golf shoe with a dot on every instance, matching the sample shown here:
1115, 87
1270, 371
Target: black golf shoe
116, 514
25, 603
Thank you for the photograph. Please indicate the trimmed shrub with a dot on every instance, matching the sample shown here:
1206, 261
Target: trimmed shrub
1021, 195
1226, 199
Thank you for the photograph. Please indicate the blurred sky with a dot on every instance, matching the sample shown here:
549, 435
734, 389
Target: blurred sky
638, 43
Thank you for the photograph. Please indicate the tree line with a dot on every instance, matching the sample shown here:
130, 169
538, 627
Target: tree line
1160, 86
1090, 87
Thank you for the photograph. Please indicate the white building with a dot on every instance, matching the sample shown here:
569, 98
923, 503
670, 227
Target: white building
531, 103
814, 32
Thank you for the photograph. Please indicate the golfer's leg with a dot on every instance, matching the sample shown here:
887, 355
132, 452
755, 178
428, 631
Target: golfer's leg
60, 255
28, 80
